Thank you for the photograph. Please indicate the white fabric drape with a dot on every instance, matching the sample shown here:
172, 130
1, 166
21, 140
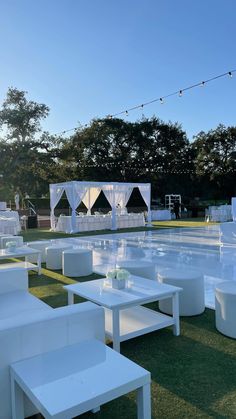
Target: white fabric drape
234, 209
116, 194
56, 193
125, 197
145, 191
90, 198
75, 194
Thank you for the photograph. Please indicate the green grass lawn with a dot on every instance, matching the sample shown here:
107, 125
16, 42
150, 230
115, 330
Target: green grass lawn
193, 375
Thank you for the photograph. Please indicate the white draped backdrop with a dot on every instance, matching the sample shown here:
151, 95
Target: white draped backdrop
116, 193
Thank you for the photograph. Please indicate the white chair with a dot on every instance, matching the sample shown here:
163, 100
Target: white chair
77, 262
225, 308
191, 299
54, 256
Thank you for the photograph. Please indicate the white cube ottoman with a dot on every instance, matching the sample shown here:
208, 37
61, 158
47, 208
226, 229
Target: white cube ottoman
191, 299
141, 268
16, 239
77, 262
38, 245
54, 256
225, 308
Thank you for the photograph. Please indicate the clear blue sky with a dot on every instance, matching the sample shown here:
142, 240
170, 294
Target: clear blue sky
90, 58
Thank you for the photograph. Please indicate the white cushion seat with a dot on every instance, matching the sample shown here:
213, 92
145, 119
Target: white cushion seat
38, 245
191, 299
77, 262
225, 308
54, 256
141, 268
17, 239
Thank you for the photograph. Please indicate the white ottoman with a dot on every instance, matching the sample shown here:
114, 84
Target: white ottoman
191, 299
54, 256
141, 268
77, 262
38, 245
225, 308
17, 239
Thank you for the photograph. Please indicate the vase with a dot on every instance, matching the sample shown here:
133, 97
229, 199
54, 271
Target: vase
118, 284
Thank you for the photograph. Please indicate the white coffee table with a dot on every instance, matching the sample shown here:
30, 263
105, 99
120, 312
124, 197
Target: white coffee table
19, 252
125, 317
75, 379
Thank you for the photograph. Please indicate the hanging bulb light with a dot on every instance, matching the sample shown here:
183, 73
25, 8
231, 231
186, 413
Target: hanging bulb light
161, 100
180, 93
230, 74
126, 113
202, 83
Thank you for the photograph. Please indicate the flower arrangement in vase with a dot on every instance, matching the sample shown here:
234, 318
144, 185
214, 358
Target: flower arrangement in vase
118, 278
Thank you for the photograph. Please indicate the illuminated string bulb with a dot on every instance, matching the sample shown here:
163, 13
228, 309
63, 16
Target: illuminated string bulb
230, 74
202, 83
126, 113
180, 93
161, 100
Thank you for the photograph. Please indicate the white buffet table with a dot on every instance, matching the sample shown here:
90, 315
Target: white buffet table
161, 215
99, 222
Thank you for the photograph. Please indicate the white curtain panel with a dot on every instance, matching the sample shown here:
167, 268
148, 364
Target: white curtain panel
116, 194
125, 197
56, 193
145, 191
234, 209
90, 198
75, 194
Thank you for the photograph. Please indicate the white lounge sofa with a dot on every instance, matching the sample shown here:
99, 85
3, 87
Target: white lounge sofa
228, 233
30, 327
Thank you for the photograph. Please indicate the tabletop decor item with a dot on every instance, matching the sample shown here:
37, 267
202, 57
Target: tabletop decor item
118, 278
11, 246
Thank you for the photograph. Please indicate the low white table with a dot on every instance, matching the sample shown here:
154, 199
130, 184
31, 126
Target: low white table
19, 252
125, 317
75, 379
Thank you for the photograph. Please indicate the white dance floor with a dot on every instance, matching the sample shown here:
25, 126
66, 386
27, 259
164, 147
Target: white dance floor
189, 247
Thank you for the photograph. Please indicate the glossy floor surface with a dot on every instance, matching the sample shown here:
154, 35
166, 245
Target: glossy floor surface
187, 248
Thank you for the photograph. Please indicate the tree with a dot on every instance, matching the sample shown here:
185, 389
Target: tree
21, 117
216, 160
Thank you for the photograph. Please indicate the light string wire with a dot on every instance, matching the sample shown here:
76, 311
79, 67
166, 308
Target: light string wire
159, 99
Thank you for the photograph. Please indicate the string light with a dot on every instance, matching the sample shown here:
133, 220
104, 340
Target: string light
160, 99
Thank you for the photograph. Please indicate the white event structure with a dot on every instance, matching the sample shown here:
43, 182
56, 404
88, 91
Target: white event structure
117, 194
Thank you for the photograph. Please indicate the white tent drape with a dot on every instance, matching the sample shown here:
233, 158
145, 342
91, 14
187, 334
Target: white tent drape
114, 194
146, 194
90, 198
125, 197
75, 194
55, 196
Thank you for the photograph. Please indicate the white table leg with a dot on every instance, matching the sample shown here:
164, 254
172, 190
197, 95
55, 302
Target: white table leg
144, 402
116, 329
70, 298
39, 263
175, 308
17, 400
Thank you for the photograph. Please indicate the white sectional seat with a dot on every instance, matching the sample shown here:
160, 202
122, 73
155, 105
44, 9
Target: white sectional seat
29, 327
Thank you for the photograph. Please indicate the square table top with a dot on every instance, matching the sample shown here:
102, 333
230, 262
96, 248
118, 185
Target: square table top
75, 375
142, 291
18, 252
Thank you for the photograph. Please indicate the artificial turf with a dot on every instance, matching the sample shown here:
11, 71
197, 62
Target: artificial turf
193, 375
